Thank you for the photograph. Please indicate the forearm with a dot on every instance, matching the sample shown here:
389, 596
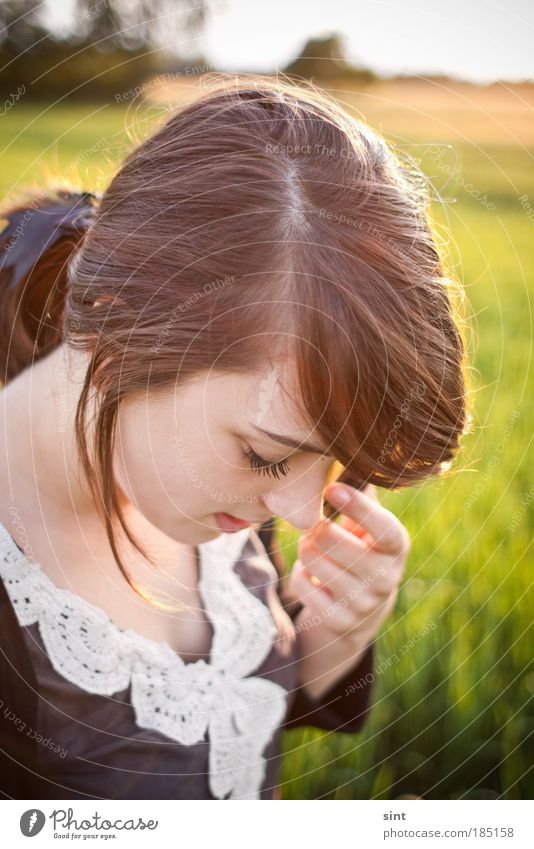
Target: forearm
324, 658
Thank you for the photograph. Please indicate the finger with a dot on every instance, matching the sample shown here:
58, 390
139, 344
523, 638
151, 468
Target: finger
300, 586
370, 490
339, 544
350, 583
389, 534
318, 602
336, 580
354, 527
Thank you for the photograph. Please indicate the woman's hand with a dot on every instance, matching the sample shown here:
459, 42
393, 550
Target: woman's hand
349, 573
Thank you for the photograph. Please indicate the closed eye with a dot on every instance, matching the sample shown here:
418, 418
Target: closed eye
265, 467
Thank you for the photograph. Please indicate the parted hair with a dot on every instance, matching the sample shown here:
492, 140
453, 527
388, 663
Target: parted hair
259, 223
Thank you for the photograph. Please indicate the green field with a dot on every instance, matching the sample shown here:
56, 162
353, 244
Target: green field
452, 718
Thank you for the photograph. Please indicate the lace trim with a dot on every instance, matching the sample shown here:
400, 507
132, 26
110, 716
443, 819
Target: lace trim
184, 701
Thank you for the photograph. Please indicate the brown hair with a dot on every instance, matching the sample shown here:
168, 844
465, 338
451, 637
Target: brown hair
323, 234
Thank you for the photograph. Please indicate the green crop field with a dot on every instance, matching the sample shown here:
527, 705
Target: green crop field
452, 716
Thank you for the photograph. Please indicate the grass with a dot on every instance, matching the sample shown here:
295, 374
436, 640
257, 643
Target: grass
451, 719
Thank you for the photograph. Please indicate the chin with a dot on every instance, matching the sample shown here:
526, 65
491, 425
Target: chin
202, 531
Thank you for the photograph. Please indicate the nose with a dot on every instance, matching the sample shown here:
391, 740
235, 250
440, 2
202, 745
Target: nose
298, 498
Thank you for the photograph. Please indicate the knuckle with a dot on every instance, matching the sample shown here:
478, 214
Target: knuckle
384, 587
365, 606
321, 535
406, 540
297, 586
341, 622
310, 555
397, 534
402, 540
399, 573
374, 602
390, 604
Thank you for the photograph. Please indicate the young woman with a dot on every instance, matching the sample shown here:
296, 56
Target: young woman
253, 309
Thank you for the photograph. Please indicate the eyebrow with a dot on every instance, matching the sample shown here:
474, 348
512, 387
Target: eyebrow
292, 443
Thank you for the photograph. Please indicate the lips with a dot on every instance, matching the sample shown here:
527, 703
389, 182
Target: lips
230, 524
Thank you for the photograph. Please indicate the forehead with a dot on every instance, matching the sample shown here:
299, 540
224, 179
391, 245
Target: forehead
263, 398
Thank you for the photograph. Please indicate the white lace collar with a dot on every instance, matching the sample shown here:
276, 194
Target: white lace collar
181, 700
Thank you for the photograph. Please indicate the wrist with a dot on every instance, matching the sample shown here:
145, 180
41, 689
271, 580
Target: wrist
356, 639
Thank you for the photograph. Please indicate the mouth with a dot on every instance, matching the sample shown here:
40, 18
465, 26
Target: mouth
231, 524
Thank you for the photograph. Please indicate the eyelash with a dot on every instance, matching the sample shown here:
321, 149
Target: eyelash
261, 466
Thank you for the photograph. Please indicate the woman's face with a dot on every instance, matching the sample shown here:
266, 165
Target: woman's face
181, 457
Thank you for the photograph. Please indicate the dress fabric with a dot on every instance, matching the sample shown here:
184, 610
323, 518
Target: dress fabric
90, 710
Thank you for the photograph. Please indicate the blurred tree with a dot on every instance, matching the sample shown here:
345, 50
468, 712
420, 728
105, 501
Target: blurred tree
137, 24
108, 24
21, 24
104, 47
324, 59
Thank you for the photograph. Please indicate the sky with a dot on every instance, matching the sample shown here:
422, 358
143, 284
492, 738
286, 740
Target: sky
480, 40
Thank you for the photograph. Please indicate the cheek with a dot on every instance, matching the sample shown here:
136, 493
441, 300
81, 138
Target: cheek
191, 472
146, 465
168, 495
137, 473
215, 474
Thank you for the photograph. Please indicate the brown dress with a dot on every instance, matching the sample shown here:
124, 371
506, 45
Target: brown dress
91, 711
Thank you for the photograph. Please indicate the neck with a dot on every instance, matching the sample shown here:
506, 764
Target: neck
45, 481
38, 448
